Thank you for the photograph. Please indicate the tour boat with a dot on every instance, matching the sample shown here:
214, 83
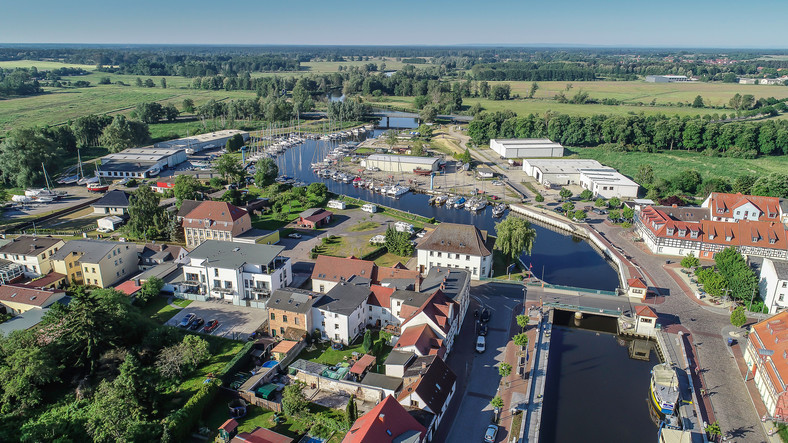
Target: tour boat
664, 388
423, 172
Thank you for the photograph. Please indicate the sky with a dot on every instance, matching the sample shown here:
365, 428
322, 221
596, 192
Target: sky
694, 24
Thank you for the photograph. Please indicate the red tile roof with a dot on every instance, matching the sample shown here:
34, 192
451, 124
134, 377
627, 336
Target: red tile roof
723, 205
215, 211
385, 422
397, 272
637, 282
52, 277
337, 268
322, 215
362, 364
772, 335
423, 338
438, 308
284, 347
381, 296
261, 435
128, 287
230, 425
25, 295
645, 311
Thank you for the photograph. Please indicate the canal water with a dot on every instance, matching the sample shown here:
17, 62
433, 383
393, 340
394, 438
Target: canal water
561, 259
594, 391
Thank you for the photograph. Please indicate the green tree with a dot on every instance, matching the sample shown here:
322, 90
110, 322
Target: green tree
600, 202
627, 213
465, 157
568, 207
188, 105
504, 369
738, 317
266, 173
294, 404
698, 102
163, 83
614, 214
230, 168
392, 137
740, 279
150, 290
367, 343
351, 413
171, 113
147, 220
398, 243
514, 236
428, 114
690, 261
63, 423
123, 134
496, 402
22, 154
318, 190
586, 195
539, 198
138, 82
150, 112
522, 321
521, 339
645, 175
417, 148
579, 215
186, 187
565, 193
713, 429
614, 203
149, 83
25, 371
533, 89
235, 143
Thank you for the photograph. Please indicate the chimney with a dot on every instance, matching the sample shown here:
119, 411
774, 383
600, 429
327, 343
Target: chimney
424, 366
674, 205
137, 282
443, 287
381, 417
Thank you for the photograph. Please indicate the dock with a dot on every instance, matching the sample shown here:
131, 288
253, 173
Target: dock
531, 425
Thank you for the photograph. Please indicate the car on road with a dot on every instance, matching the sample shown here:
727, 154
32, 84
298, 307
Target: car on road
294, 235
196, 324
490, 434
481, 344
211, 326
187, 320
483, 329
485, 317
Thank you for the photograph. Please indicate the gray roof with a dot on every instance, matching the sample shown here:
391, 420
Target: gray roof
309, 366
456, 238
92, 250
685, 213
411, 298
187, 206
27, 319
254, 233
781, 268
485, 170
126, 165
29, 245
345, 297
232, 255
165, 271
403, 159
113, 199
455, 280
382, 381
293, 300
399, 358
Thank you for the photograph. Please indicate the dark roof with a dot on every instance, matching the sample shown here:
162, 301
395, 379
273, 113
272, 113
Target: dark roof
685, 213
92, 250
232, 255
399, 358
381, 381
309, 366
159, 251
293, 300
113, 199
187, 206
781, 269
344, 298
29, 245
338, 268
453, 280
456, 238
311, 211
433, 386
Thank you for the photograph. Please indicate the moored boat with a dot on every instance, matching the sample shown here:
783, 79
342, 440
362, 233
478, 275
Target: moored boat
664, 388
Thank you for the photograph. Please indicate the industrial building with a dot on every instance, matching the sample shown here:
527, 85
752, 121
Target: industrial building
603, 181
400, 163
197, 143
667, 78
140, 162
526, 148
608, 183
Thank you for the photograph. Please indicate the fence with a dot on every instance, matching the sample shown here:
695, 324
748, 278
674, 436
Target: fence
586, 309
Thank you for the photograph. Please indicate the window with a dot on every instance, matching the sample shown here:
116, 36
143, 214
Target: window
273, 316
370, 309
467, 257
116, 262
414, 403
439, 254
780, 298
284, 319
282, 330
336, 336
215, 272
474, 271
399, 303
432, 253
336, 326
785, 284
217, 284
295, 320
228, 284
322, 288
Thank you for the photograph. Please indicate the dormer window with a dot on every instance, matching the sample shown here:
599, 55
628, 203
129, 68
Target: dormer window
754, 239
711, 236
694, 234
682, 232
772, 241
728, 238
671, 231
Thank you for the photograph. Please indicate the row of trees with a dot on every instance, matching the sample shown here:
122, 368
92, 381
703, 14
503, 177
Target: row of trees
730, 276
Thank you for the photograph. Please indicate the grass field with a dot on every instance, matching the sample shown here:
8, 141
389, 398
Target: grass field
42, 65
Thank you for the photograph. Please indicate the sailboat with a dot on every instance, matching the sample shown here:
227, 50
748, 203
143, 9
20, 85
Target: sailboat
98, 186
44, 195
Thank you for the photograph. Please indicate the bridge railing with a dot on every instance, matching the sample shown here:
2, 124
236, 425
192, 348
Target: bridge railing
586, 309
551, 286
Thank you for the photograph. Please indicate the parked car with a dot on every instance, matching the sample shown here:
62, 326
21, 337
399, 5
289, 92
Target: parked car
599, 211
483, 329
211, 326
187, 320
485, 317
492, 432
196, 324
481, 344
294, 235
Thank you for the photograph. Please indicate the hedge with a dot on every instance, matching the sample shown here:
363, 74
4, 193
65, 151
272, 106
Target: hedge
240, 359
375, 253
178, 424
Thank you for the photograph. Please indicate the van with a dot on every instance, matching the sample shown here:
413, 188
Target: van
480, 344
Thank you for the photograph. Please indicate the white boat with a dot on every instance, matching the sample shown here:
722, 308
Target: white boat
441, 199
664, 388
21, 199
498, 210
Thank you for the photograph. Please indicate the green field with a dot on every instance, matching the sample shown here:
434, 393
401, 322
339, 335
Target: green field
42, 65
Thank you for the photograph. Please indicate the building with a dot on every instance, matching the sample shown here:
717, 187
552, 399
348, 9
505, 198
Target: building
766, 357
429, 384
154, 254
109, 223
737, 207
421, 340
608, 183
237, 272
773, 284
772, 81
214, 220
435, 310
140, 162
340, 314
456, 246
645, 320
115, 202
453, 283
748, 81
400, 163
667, 78
97, 263
164, 184
483, 172
197, 143
314, 218
18, 299
526, 147
10, 271
637, 288
261, 435
329, 271
33, 253
388, 422
290, 313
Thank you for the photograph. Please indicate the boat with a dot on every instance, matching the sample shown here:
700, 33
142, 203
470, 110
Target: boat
664, 388
423, 172
97, 186
452, 200
498, 210
460, 203
477, 205
441, 199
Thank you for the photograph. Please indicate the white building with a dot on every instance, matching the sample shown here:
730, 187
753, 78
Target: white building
140, 162
428, 384
200, 142
667, 78
558, 172
33, 253
748, 81
340, 314
456, 246
369, 207
608, 183
237, 271
526, 147
773, 284
400, 163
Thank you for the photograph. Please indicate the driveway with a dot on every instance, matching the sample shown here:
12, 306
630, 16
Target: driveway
235, 322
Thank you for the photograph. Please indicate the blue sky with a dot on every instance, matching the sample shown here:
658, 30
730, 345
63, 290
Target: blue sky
695, 23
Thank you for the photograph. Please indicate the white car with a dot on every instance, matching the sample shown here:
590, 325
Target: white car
492, 432
294, 235
481, 344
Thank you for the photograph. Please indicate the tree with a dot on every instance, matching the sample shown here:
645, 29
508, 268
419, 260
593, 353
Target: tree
690, 261
188, 105
229, 167
496, 402
417, 148
738, 317
465, 157
266, 173
614, 203
521, 339
150, 290
22, 154
514, 236
392, 137
579, 215
367, 344
123, 134
565, 193
586, 195
567, 207
163, 83
398, 243
772, 185
504, 369
149, 83
522, 321
600, 202
138, 82
539, 198
740, 279
428, 114
713, 429
645, 175
351, 411
25, 371
150, 112
147, 220
627, 213
186, 187
171, 113
533, 89
176, 360
318, 190
235, 143
294, 403
698, 102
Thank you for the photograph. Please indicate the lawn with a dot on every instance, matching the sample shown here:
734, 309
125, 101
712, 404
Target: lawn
269, 223
325, 355
222, 351
388, 260
364, 226
160, 311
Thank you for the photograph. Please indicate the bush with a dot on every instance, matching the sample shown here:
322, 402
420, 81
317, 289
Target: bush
240, 359
738, 317
539, 198
131, 183
178, 424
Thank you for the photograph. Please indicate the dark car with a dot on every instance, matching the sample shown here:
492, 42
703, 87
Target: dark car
187, 320
483, 329
211, 326
600, 211
196, 324
485, 316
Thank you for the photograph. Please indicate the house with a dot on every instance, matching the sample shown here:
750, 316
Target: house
637, 288
453, 283
97, 263
237, 272
170, 273
483, 172
364, 364
109, 223
18, 299
283, 348
766, 357
32, 252
369, 207
214, 220
397, 361
748, 81
773, 284
339, 315
261, 435
336, 204
153, 254
228, 430
187, 206
733, 208
329, 271
388, 422
645, 321
387, 385
115, 202
164, 184
290, 313
429, 384
314, 218
53, 280
526, 148
421, 340
667, 78
456, 246
435, 310
558, 172
608, 183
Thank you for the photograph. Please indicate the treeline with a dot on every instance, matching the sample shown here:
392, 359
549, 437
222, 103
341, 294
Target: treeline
195, 66
522, 71
639, 132
18, 82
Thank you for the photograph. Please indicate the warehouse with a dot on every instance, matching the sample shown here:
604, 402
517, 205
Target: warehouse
558, 172
400, 163
608, 183
526, 148
667, 78
200, 142
140, 162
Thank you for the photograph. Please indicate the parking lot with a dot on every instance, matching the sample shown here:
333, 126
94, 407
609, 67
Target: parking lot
235, 322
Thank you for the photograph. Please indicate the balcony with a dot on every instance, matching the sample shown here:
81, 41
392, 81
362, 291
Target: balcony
223, 290
260, 291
